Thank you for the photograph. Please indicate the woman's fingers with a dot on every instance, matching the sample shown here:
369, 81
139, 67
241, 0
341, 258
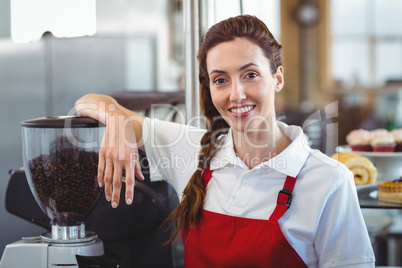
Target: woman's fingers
101, 168
137, 166
130, 182
108, 176
117, 182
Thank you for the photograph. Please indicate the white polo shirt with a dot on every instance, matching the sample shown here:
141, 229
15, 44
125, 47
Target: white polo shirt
324, 223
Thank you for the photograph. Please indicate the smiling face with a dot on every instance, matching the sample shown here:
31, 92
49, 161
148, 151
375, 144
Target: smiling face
242, 85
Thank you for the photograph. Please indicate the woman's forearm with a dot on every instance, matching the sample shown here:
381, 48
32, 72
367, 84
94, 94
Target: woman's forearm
103, 108
98, 107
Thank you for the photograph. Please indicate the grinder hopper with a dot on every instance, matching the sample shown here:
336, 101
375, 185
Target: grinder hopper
61, 161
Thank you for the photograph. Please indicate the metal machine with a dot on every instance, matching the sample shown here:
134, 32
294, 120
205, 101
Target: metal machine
60, 201
60, 158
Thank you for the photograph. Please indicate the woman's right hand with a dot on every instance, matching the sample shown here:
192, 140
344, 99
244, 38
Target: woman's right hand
119, 148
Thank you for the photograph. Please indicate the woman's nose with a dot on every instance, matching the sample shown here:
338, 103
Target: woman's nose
237, 93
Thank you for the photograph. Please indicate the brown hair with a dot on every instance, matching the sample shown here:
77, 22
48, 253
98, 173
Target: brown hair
189, 211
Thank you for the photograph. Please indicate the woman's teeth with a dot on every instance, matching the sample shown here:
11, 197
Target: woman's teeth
242, 110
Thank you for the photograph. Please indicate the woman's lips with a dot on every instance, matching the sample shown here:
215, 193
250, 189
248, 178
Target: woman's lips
242, 111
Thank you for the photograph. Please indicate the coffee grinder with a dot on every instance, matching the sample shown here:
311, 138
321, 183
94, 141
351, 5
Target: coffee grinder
60, 157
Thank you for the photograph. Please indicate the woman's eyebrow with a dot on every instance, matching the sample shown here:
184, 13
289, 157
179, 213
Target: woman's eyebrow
247, 65
217, 71
240, 69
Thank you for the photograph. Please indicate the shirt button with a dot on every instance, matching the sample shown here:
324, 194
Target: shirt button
245, 183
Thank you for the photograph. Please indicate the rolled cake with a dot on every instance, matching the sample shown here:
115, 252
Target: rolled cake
363, 169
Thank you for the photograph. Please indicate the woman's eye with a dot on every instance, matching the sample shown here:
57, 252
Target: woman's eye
219, 81
251, 75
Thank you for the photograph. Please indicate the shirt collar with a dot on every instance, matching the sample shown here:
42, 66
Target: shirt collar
225, 154
289, 162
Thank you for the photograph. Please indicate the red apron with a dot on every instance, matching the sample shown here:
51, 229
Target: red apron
226, 241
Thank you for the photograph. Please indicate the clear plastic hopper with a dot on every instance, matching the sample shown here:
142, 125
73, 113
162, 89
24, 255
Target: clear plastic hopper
61, 161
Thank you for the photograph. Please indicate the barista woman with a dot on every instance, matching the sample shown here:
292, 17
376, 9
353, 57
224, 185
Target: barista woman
253, 194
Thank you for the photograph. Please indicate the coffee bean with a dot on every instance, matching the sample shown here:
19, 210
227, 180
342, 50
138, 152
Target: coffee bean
65, 184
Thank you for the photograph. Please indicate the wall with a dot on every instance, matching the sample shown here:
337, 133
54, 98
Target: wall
45, 78
305, 58
24, 94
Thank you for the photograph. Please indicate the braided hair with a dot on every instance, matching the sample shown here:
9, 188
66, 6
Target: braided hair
189, 211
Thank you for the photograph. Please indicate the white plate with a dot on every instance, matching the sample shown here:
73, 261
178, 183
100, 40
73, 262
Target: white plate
346, 148
374, 194
389, 165
370, 190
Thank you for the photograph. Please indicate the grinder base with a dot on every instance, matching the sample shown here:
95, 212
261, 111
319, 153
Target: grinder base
33, 252
68, 235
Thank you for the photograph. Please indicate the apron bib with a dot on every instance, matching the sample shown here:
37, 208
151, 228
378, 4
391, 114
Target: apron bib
226, 241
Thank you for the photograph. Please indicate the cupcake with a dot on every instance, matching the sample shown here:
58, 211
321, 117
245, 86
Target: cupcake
359, 140
397, 133
380, 132
383, 143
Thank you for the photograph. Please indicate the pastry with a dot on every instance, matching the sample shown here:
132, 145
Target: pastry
397, 133
380, 132
390, 191
383, 143
359, 140
364, 171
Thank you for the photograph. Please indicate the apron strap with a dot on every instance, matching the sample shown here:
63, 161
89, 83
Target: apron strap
206, 175
284, 198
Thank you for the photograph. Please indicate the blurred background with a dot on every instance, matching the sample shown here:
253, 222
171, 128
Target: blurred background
342, 60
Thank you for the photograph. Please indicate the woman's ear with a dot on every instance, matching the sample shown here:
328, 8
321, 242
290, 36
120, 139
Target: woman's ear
279, 79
